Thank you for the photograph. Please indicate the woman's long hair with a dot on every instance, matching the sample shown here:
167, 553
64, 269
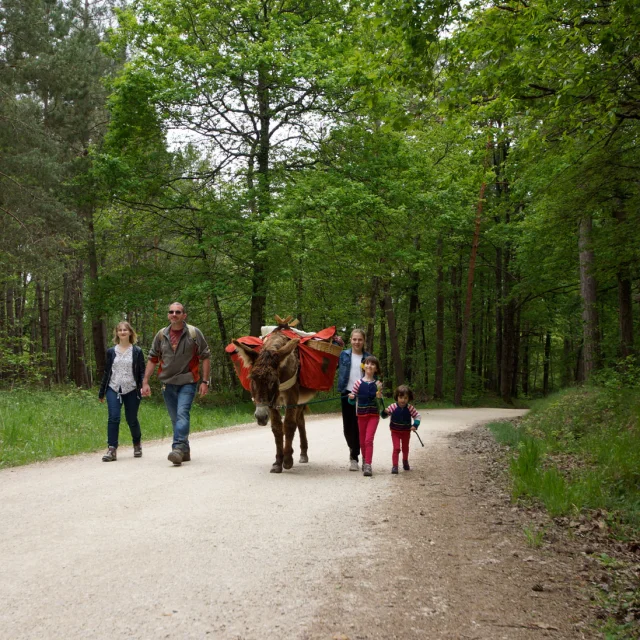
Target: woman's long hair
133, 336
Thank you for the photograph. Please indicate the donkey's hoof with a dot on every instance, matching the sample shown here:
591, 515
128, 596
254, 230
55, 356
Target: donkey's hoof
304, 458
276, 468
287, 463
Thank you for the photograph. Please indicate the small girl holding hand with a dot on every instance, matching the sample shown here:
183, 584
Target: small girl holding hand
402, 413
364, 395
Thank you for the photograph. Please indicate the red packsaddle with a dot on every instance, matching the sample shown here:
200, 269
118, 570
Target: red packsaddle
318, 358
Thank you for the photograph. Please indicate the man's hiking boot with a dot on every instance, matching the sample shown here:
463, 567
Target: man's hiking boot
178, 456
137, 451
111, 455
367, 470
353, 465
405, 465
394, 470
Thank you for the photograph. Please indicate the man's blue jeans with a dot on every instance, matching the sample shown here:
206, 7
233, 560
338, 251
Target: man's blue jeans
178, 399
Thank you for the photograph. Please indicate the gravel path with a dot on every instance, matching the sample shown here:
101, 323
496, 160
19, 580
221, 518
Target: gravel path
218, 548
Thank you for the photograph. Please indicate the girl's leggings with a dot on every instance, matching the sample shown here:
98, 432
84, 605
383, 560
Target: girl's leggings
367, 426
400, 438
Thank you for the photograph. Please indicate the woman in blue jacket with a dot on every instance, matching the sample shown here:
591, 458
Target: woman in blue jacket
350, 370
121, 384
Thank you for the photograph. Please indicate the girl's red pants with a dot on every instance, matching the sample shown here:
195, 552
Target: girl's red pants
400, 440
367, 426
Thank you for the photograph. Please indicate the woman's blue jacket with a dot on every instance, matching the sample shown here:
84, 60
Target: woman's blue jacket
344, 369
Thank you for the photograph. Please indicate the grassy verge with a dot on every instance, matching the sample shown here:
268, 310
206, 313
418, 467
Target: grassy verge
577, 453
38, 425
580, 449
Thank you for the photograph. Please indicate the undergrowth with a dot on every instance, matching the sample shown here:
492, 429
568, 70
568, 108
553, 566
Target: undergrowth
578, 453
580, 449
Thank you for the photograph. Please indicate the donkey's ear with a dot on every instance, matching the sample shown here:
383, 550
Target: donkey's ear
247, 354
285, 350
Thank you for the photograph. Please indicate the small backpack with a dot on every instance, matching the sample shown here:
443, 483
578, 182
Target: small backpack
192, 333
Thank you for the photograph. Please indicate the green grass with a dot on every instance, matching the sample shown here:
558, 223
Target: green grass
577, 450
534, 536
38, 425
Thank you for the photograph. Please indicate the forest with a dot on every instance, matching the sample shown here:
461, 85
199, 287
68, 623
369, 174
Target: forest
459, 178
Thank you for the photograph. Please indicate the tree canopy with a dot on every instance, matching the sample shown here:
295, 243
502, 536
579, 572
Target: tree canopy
460, 179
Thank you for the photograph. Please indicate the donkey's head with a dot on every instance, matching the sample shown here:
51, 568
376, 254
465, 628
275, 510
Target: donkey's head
265, 372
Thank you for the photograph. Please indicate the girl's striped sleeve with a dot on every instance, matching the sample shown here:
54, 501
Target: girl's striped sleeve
414, 414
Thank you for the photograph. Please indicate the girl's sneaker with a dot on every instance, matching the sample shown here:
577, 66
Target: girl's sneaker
111, 455
394, 470
405, 465
367, 471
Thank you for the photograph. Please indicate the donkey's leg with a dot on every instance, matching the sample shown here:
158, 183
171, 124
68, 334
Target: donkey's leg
276, 428
302, 430
289, 433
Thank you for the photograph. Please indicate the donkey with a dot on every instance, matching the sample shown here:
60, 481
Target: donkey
275, 383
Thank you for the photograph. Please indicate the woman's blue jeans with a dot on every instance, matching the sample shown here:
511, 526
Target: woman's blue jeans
131, 402
178, 399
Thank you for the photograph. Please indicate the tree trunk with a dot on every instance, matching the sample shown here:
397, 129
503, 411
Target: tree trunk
462, 357
456, 308
508, 343
98, 325
625, 303
425, 351
487, 351
384, 352
42, 299
11, 321
371, 321
225, 340
579, 366
438, 385
547, 363
61, 360
566, 362
516, 355
43, 310
525, 364
78, 363
625, 313
410, 343
20, 304
499, 319
591, 344
263, 203
393, 337
479, 340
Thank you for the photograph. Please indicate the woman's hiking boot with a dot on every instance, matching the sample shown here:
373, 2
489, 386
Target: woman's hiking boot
137, 451
111, 455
